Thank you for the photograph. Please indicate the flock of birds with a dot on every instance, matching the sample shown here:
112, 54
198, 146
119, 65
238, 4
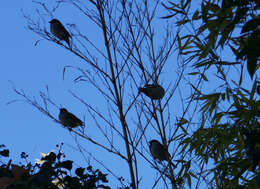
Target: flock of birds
153, 91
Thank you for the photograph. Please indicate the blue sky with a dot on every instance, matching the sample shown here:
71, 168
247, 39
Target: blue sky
32, 68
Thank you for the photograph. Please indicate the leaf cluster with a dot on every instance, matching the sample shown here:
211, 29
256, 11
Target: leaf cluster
50, 172
233, 24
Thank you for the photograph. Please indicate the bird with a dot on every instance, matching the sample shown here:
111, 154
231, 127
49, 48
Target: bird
68, 119
154, 91
158, 151
58, 30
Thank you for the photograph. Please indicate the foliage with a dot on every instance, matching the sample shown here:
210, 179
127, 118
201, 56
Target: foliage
219, 24
228, 136
50, 172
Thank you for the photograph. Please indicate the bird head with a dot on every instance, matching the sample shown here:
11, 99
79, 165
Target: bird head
158, 151
140, 90
63, 110
54, 21
153, 142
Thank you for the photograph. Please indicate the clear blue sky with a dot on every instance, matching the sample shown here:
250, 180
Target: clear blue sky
30, 67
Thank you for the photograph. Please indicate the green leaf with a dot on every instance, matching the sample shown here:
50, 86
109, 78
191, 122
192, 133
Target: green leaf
213, 7
235, 51
204, 77
182, 22
194, 73
253, 90
187, 44
188, 165
227, 94
201, 29
169, 16
183, 129
49, 157
217, 117
189, 180
65, 164
251, 63
212, 106
199, 45
4, 153
183, 121
179, 42
205, 107
210, 96
241, 13
212, 24
251, 25
79, 171
197, 90
196, 15
252, 51
223, 96
193, 175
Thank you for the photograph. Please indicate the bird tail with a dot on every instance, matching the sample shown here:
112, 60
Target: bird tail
68, 42
140, 90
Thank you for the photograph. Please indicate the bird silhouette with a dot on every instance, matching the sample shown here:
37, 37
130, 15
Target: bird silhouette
68, 119
158, 151
58, 30
154, 91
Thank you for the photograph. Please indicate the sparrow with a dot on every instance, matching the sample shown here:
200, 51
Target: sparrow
154, 91
68, 119
59, 31
158, 151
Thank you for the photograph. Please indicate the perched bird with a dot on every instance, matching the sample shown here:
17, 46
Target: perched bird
59, 30
68, 119
158, 151
154, 91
